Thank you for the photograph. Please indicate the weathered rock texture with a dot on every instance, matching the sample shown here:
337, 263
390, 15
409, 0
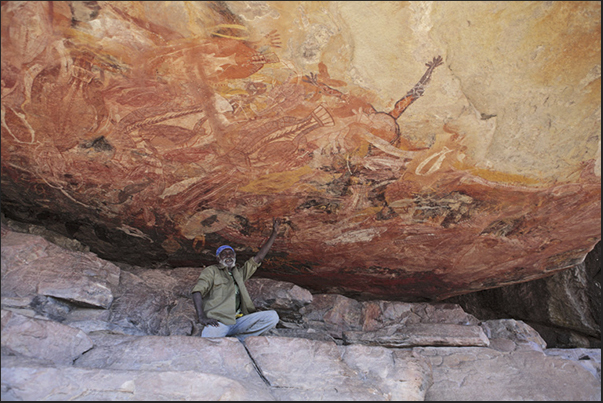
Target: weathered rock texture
32, 266
145, 345
476, 374
565, 307
156, 131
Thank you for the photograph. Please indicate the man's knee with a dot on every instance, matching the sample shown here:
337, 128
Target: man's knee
268, 319
215, 331
273, 317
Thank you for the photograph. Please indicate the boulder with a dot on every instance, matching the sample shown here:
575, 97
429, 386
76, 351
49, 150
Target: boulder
33, 266
42, 339
142, 307
284, 297
515, 331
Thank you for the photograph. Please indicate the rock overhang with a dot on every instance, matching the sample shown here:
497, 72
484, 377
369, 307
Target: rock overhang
155, 141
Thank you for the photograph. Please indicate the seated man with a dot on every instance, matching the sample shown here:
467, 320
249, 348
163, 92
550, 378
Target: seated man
221, 300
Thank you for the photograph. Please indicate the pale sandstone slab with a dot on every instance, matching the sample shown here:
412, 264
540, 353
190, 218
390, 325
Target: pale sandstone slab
589, 358
43, 339
31, 265
123, 367
310, 370
220, 356
421, 334
521, 334
70, 383
301, 369
399, 374
477, 373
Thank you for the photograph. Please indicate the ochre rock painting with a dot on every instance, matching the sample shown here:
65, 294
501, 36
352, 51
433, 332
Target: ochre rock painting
157, 131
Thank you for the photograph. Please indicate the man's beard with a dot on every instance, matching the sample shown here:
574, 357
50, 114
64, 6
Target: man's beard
228, 262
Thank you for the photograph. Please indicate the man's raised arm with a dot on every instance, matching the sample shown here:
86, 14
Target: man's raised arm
276, 223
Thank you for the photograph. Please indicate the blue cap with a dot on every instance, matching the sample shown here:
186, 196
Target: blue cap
221, 248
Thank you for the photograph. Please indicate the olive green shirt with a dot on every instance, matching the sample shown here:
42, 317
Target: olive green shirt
218, 290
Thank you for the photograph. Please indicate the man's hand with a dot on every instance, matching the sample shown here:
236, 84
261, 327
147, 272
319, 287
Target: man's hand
276, 224
201, 317
208, 322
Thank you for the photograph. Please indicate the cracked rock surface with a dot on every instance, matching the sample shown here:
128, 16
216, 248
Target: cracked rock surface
326, 347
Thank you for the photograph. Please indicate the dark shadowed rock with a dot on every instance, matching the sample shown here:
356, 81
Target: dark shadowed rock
565, 308
285, 298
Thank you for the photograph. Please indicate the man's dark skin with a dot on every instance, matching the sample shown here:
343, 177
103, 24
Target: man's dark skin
229, 254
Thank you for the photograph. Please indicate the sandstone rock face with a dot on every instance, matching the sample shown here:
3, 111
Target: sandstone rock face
221, 357
42, 339
145, 346
286, 298
565, 308
100, 384
316, 370
32, 266
421, 334
476, 373
155, 132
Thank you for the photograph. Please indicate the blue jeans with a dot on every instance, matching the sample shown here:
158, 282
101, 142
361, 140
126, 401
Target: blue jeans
253, 324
